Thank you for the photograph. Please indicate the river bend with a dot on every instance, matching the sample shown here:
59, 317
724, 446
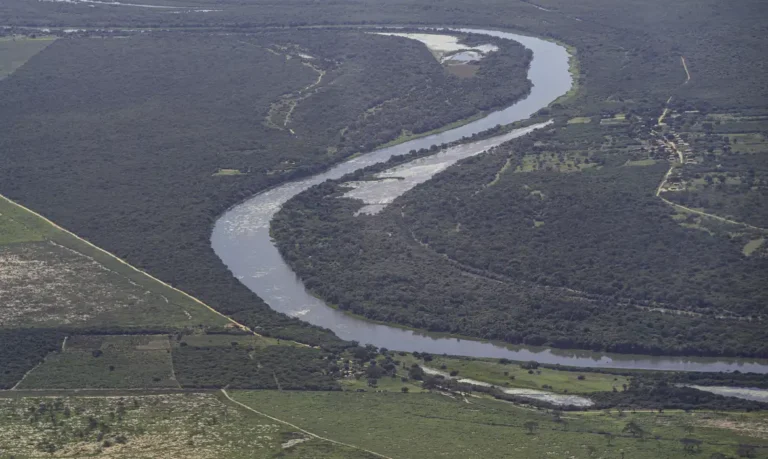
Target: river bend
241, 239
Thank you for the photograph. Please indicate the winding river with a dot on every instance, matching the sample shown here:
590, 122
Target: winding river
241, 239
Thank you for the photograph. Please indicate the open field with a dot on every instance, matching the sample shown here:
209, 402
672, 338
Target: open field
254, 341
46, 285
512, 375
114, 362
53, 278
201, 426
15, 51
551, 161
580, 120
438, 426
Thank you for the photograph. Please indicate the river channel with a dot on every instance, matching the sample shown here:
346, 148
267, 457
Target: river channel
241, 239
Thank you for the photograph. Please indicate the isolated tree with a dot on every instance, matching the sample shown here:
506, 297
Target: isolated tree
416, 372
404, 390
634, 429
690, 445
746, 451
531, 426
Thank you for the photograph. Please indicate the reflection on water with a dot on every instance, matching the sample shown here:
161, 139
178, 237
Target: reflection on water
747, 393
377, 194
534, 394
241, 239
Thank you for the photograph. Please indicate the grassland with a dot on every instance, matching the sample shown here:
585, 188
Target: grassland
171, 426
385, 384
221, 172
580, 120
513, 375
554, 161
438, 426
751, 246
96, 362
254, 341
12, 232
15, 51
53, 278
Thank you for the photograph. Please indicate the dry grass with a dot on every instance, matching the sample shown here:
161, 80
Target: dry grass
46, 284
168, 426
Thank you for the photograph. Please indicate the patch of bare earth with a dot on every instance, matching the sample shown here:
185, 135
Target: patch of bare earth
753, 427
43, 283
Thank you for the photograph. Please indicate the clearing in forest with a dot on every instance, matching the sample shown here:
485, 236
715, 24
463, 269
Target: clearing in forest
51, 278
15, 51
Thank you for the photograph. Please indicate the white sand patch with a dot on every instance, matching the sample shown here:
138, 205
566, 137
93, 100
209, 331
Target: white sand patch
443, 45
534, 394
391, 183
747, 393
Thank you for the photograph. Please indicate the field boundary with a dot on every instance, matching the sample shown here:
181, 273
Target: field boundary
114, 258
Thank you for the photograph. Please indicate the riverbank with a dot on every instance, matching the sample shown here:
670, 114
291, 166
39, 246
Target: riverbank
241, 238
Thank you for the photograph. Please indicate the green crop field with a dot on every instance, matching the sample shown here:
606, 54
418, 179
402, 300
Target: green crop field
15, 51
106, 362
439, 426
150, 426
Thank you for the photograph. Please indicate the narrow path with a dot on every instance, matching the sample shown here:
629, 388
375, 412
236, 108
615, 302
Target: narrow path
173, 369
688, 209
716, 217
664, 113
687, 73
16, 386
305, 91
223, 391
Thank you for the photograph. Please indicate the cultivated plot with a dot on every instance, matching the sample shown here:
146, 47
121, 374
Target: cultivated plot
99, 362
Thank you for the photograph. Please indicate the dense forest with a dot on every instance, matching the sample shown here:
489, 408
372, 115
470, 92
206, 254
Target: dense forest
152, 198
23, 348
236, 367
623, 47
124, 141
602, 231
571, 249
